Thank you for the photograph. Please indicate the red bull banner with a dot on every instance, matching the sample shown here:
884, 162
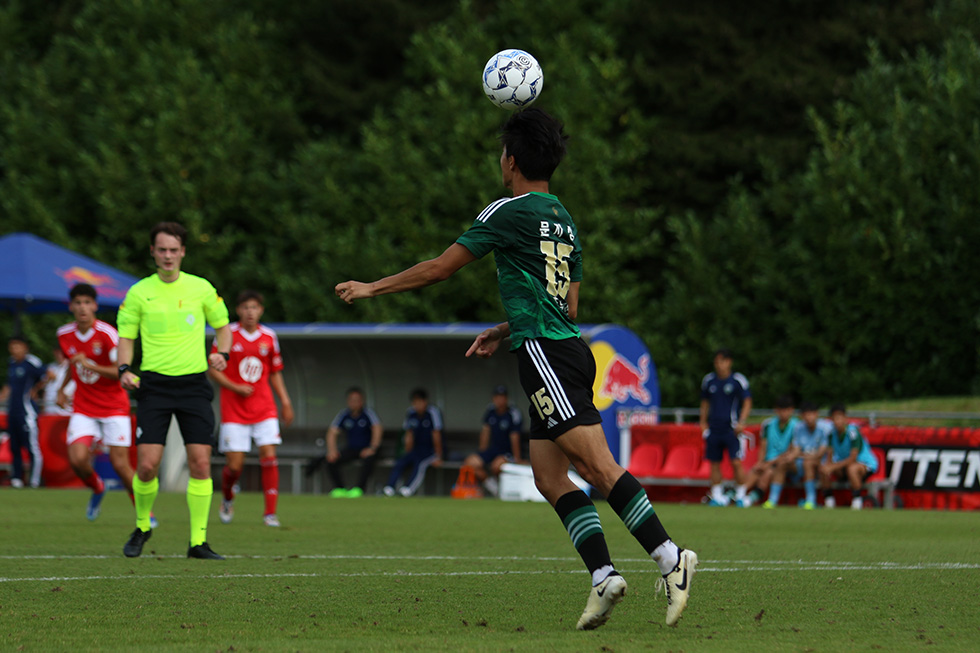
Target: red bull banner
104, 284
626, 390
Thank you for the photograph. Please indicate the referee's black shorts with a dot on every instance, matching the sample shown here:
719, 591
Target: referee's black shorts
187, 397
557, 376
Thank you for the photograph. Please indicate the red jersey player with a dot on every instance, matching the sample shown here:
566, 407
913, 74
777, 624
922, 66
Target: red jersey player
248, 411
100, 412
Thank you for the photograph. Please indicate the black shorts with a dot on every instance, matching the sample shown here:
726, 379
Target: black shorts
557, 376
187, 397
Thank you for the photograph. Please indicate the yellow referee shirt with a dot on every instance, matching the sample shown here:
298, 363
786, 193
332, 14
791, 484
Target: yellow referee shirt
169, 320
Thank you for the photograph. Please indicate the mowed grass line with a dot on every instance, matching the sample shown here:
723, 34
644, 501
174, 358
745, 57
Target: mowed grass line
436, 574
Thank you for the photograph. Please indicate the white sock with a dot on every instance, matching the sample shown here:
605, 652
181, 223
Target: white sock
601, 574
740, 492
666, 556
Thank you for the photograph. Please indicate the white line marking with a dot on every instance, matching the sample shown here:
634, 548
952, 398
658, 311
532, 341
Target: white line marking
754, 566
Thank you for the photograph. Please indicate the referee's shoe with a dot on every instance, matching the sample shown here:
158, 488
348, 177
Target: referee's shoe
204, 552
134, 545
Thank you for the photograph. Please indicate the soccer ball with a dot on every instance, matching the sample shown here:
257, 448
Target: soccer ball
512, 79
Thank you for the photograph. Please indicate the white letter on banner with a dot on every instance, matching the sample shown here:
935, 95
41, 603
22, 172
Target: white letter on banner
950, 463
898, 457
923, 457
972, 469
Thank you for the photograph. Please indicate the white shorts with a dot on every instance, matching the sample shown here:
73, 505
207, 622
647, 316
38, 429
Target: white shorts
115, 431
238, 437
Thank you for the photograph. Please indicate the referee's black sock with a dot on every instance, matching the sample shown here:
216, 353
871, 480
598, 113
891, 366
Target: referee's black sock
629, 500
581, 520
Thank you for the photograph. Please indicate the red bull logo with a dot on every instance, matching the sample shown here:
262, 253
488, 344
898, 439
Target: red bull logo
620, 380
623, 380
76, 274
105, 284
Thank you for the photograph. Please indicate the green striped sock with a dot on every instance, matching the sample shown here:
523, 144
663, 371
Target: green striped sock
629, 500
578, 514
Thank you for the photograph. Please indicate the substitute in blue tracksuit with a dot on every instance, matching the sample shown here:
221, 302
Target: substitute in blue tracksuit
24, 372
423, 445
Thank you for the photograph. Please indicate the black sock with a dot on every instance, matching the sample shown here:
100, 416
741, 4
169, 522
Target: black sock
581, 520
629, 500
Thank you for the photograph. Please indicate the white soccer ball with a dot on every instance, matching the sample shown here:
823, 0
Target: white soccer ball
512, 79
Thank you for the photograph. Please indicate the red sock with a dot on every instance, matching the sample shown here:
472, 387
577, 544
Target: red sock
94, 481
270, 483
228, 479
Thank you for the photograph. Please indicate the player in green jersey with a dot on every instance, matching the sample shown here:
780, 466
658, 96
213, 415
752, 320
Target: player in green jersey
538, 254
167, 311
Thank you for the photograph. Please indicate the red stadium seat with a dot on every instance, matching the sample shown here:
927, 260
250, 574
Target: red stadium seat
681, 462
880, 474
647, 460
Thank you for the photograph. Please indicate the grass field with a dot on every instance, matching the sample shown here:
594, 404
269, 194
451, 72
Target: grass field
436, 574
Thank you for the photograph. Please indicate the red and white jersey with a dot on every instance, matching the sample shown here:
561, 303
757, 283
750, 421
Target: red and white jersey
254, 356
95, 395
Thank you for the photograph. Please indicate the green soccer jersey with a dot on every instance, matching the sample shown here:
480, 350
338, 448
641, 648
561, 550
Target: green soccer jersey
538, 255
169, 319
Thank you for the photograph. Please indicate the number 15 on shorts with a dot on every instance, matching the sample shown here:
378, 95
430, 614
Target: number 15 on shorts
543, 403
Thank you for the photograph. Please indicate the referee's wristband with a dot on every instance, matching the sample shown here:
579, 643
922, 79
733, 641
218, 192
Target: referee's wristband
123, 369
226, 355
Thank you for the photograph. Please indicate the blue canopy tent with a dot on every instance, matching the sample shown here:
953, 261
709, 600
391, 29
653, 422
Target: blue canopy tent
36, 275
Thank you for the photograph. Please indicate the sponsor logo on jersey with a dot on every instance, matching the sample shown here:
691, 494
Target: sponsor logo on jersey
250, 369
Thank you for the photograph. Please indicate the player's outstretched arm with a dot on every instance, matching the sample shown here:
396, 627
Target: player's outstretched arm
489, 340
419, 275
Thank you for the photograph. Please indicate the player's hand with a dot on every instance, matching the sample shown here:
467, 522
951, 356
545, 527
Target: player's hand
486, 343
79, 359
243, 389
62, 399
351, 290
437, 462
367, 453
333, 456
129, 381
287, 413
218, 362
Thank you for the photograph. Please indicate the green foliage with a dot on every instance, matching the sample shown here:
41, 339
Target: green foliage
307, 143
864, 284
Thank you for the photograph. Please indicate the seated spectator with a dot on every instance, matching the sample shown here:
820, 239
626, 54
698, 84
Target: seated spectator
774, 440
810, 440
500, 440
423, 445
850, 456
363, 430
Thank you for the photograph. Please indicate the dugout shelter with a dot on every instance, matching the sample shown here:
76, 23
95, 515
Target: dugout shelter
388, 361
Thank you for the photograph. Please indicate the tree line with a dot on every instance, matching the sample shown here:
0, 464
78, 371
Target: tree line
797, 183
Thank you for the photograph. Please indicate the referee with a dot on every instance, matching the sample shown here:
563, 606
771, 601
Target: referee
167, 311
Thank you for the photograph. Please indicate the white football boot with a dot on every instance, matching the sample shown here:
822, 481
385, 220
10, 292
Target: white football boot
226, 512
602, 599
677, 584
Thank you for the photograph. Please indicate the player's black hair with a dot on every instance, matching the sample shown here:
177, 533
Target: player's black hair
170, 228
808, 405
82, 290
419, 393
500, 390
18, 338
351, 390
249, 295
838, 408
536, 141
784, 401
724, 352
